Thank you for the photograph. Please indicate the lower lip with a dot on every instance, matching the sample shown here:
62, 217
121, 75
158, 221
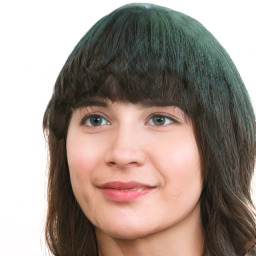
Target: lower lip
120, 195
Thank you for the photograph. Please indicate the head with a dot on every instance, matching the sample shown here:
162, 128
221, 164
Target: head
141, 54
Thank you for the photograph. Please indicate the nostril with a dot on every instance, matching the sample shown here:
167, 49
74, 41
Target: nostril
112, 163
120, 165
124, 158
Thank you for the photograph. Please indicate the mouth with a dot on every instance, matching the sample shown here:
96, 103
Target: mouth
125, 191
130, 189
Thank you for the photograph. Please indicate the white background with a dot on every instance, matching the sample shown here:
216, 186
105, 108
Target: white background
36, 38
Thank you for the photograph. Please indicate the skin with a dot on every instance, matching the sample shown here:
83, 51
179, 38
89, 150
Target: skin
130, 144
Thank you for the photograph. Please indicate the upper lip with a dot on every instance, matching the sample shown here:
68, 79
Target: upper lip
124, 185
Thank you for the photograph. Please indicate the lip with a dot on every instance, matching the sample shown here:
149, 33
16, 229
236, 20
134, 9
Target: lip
125, 191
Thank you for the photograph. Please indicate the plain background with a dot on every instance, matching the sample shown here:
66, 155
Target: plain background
36, 38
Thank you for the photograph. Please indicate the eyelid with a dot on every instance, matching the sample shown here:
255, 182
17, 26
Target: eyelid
88, 115
165, 115
91, 113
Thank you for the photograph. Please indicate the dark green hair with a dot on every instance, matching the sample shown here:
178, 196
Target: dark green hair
143, 53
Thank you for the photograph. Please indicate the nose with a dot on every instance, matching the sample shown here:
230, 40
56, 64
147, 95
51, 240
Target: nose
125, 150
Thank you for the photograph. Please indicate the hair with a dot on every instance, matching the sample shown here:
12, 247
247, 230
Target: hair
140, 53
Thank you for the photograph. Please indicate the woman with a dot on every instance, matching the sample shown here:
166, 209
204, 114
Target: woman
152, 142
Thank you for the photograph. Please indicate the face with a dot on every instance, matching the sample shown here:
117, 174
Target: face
134, 170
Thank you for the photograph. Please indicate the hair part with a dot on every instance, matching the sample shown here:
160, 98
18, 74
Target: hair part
141, 53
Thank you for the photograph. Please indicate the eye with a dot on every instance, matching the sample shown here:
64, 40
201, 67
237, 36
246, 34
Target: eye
94, 120
160, 120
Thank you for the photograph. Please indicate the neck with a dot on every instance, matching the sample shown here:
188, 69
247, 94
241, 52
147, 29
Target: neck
183, 239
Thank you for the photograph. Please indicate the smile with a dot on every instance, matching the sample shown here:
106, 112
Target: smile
125, 191
137, 188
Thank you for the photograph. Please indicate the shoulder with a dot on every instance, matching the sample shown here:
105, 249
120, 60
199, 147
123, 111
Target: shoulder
251, 251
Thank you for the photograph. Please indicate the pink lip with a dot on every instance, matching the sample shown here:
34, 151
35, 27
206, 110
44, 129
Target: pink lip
122, 191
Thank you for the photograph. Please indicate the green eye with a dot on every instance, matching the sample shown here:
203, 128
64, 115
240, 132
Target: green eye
94, 120
160, 120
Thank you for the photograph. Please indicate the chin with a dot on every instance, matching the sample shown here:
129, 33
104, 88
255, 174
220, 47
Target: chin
129, 232
128, 235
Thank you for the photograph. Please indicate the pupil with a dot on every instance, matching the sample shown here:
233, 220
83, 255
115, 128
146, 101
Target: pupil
96, 120
158, 120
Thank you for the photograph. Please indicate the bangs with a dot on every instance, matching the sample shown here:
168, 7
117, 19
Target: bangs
166, 89
132, 55
147, 53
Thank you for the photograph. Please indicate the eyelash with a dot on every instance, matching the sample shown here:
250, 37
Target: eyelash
88, 117
164, 116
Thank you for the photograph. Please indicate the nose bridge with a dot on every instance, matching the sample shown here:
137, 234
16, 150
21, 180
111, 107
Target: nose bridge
126, 147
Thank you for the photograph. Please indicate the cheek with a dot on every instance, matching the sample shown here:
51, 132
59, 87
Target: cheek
84, 155
179, 163
81, 167
79, 159
84, 152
